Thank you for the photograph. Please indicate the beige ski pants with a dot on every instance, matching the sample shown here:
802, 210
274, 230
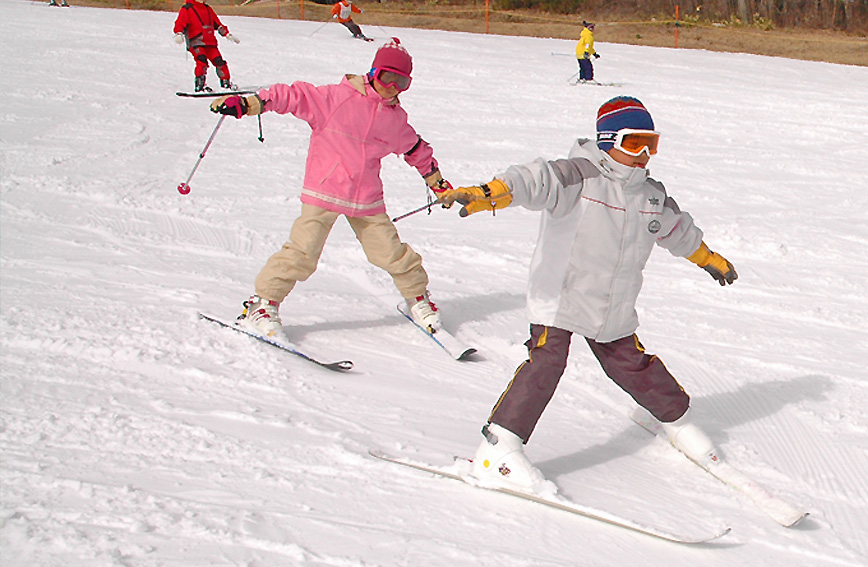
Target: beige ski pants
298, 257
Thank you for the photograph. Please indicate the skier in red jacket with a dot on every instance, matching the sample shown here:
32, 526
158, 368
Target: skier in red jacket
196, 24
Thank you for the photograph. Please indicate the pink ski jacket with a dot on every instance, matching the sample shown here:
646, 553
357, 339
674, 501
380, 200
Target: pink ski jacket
353, 129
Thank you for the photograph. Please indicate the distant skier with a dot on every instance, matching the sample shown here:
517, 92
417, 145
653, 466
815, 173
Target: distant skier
195, 25
601, 217
584, 52
343, 13
354, 125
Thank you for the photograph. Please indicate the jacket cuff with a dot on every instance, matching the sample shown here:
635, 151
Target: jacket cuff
702, 256
433, 178
254, 105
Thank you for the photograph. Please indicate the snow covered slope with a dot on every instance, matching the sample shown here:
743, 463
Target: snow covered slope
135, 434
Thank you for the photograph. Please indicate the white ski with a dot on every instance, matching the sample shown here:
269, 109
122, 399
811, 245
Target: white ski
339, 366
443, 338
782, 512
558, 503
223, 92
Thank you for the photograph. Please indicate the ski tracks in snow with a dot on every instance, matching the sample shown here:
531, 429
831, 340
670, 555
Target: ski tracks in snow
135, 434
768, 426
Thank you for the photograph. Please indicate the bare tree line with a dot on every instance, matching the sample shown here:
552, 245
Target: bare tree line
845, 15
849, 15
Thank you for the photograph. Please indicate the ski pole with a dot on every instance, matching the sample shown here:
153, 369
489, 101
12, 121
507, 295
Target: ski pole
184, 187
319, 28
414, 211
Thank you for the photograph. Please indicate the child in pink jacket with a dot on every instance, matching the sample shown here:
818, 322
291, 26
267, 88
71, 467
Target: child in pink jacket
354, 125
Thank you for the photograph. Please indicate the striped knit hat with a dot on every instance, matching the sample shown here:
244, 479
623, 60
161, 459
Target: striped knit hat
618, 113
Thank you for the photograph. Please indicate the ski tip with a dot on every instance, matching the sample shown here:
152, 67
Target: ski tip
340, 366
720, 534
466, 355
794, 521
690, 540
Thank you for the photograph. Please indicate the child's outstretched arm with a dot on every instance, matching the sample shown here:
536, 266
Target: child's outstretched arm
715, 264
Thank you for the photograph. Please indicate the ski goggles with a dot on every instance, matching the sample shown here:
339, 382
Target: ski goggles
632, 142
391, 78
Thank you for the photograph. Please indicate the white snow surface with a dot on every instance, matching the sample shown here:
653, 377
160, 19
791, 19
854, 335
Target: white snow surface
135, 434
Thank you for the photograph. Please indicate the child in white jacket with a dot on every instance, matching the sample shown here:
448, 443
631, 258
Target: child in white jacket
601, 217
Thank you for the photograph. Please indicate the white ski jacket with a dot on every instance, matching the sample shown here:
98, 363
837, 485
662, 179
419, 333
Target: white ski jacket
600, 221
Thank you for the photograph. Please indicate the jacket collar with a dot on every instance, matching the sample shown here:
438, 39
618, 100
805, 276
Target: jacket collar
630, 177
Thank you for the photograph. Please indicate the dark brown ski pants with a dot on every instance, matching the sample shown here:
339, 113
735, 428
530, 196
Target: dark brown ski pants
641, 375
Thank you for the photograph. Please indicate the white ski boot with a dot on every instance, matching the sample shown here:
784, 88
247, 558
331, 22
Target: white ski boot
500, 462
690, 440
261, 316
424, 313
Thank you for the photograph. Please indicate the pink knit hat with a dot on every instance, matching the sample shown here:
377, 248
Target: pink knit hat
393, 56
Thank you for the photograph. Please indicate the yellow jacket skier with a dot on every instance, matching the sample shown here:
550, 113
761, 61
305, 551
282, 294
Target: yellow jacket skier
584, 51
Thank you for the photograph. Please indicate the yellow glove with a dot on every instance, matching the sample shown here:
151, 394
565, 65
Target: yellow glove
715, 264
486, 197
